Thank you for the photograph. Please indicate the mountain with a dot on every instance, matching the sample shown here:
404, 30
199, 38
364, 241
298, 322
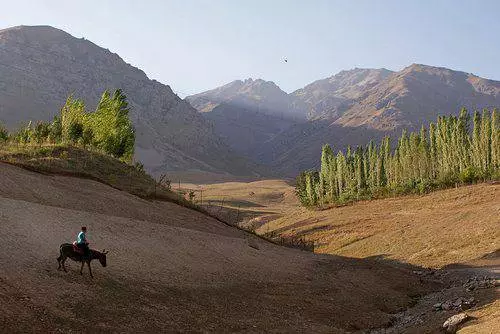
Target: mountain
348, 108
330, 97
248, 114
41, 65
256, 95
417, 94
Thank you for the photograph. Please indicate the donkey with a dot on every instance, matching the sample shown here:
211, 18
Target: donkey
67, 251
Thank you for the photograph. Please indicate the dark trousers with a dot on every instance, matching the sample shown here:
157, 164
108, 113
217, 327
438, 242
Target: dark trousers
85, 248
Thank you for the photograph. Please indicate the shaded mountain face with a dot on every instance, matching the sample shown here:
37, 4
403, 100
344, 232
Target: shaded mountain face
255, 95
40, 66
248, 114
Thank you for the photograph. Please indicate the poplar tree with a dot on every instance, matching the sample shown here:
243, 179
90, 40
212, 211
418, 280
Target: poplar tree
446, 153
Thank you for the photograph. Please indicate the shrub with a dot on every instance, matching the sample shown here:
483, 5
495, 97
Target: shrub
4, 134
41, 132
75, 132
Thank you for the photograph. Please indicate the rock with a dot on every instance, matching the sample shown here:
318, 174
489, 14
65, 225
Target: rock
438, 306
447, 305
452, 323
476, 282
467, 304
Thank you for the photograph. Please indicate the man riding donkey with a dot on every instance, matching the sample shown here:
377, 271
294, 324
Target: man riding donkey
79, 251
82, 243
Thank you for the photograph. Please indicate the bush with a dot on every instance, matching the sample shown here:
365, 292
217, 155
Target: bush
139, 167
4, 134
24, 134
41, 132
87, 136
55, 128
469, 175
75, 132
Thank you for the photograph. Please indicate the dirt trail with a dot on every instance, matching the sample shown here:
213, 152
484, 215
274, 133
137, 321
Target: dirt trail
173, 269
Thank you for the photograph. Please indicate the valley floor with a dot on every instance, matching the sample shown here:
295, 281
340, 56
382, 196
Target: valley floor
174, 269
455, 229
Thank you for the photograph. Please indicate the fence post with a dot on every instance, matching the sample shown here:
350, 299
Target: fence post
238, 214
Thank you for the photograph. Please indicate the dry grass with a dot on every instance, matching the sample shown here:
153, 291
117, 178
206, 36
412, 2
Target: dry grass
437, 229
449, 226
83, 163
263, 200
445, 227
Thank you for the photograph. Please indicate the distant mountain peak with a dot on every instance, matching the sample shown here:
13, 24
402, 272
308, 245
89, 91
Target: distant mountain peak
257, 95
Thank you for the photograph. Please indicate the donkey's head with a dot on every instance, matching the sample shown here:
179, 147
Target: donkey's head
102, 257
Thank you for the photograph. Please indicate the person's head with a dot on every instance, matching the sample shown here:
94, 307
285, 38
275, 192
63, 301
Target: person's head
84, 228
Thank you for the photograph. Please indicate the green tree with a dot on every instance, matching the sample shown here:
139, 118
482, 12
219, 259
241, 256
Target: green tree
446, 154
55, 135
495, 139
4, 134
41, 132
112, 128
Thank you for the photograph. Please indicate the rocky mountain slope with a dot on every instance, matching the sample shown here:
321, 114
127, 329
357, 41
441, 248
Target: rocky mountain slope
256, 95
249, 113
349, 108
417, 94
329, 98
40, 66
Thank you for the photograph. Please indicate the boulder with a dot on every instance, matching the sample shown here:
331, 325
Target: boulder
452, 323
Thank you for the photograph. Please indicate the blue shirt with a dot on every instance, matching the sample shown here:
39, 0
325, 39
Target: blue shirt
81, 238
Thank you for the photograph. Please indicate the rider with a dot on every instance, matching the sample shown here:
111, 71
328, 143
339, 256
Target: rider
81, 241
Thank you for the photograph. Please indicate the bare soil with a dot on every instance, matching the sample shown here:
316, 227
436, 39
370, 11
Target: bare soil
457, 230
174, 269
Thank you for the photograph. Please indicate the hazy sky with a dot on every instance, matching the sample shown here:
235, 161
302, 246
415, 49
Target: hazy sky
194, 45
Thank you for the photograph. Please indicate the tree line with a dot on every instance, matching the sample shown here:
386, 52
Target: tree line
108, 128
446, 153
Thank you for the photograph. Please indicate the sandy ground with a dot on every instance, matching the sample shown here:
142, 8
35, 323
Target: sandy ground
173, 269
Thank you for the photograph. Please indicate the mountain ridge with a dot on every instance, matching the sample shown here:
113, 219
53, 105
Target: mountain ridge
40, 66
344, 108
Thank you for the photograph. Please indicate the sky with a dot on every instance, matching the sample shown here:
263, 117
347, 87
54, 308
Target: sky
196, 45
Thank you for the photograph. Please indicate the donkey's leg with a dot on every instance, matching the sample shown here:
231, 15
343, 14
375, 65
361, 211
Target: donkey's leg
81, 268
90, 269
59, 262
63, 261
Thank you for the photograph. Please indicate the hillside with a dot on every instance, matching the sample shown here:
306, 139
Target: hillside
248, 114
453, 226
455, 229
171, 268
40, 66
257, 95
